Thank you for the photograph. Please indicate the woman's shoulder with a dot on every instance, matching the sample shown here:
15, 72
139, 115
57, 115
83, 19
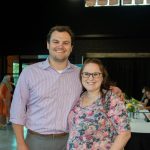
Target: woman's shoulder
109, 94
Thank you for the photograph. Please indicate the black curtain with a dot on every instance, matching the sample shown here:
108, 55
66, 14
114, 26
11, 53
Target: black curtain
130, 74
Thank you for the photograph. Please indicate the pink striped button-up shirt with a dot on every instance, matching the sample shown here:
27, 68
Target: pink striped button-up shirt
43, 97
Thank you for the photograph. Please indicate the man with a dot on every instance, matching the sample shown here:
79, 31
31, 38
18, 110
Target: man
44, 95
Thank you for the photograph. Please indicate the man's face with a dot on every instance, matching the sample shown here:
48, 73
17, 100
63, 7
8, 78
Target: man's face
59, 46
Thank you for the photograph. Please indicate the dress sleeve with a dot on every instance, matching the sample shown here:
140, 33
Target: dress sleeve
118, 114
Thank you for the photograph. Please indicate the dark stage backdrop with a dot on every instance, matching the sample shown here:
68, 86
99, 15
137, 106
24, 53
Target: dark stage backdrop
130, 74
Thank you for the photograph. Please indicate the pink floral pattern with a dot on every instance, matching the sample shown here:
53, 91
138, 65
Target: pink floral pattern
90, 128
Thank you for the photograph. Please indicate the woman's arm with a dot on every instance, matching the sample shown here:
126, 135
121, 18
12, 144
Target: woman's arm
147, 107
121, 140
119, 118
145, 102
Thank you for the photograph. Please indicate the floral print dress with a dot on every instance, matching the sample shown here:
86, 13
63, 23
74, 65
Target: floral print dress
95, 127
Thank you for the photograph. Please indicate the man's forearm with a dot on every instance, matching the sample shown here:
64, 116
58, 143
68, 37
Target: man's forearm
18, 129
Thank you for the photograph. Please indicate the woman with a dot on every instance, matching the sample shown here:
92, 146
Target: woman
99, 119
144, 89
6, 90
146, 102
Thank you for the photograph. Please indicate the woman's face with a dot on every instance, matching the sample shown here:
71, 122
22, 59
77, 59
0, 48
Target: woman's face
143, 90
92, 77
148, 94
8, 78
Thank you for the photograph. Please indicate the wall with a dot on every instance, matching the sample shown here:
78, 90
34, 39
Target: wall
28, 32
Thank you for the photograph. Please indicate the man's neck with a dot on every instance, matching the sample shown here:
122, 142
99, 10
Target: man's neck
58, 65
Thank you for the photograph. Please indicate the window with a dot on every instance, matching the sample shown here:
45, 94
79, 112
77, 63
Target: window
103, 3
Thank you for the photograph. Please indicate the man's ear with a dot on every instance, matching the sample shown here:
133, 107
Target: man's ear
71, 48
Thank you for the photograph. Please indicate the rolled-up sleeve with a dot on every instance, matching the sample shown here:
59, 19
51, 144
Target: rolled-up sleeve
20, 98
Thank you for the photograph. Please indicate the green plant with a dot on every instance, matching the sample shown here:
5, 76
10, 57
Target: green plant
132, 105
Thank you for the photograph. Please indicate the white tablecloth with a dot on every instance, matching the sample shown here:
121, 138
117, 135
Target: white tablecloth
139, 125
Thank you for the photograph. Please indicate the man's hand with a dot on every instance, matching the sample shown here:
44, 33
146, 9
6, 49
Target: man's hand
22, 147
118, 92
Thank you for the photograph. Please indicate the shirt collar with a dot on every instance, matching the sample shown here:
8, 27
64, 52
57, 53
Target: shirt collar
45, 64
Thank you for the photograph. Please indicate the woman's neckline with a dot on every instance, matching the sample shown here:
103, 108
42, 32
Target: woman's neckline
87, 101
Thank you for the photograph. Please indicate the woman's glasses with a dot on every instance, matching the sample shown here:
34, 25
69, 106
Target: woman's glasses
94, 75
